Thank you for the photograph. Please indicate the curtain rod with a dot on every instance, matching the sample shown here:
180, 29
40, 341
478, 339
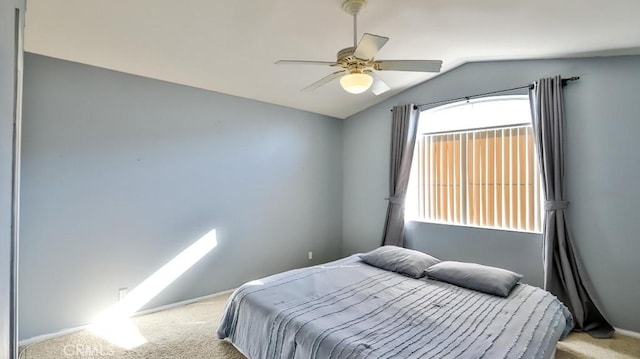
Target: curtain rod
529, 86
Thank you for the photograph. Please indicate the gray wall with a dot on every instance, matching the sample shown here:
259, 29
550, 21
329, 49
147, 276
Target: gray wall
602, 164
121, 173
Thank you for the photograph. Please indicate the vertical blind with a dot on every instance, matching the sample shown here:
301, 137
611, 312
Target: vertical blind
486, 178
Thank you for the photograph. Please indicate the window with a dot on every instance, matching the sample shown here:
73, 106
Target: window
475, 165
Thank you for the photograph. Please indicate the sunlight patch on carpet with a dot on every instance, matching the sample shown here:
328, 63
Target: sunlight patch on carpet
122, 333
114, 326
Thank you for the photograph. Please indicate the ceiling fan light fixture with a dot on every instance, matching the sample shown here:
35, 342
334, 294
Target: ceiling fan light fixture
356, 83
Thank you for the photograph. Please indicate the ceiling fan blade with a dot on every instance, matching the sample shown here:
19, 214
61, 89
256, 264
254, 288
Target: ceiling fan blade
305, 62
379, 86
325, 80
409, 65
369, 46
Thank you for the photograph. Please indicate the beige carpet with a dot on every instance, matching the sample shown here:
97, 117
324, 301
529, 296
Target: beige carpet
582, 346
189, 332
184, 332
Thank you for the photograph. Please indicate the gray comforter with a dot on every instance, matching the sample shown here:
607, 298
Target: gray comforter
348, 309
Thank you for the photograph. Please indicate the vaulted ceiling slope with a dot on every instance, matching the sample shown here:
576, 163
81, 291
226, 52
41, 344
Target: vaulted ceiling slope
231, 46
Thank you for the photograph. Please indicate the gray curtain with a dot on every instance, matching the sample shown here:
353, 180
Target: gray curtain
404, 127
563, 274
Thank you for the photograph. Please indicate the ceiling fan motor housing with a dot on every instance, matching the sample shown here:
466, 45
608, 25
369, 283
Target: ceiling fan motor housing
348, 61
346, 55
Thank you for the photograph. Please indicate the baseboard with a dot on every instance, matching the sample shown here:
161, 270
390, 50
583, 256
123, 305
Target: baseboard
43, 337
184, 302
67, 331
628, 333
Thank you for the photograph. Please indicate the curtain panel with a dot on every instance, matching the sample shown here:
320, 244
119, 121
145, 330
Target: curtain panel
563, 273
404, 127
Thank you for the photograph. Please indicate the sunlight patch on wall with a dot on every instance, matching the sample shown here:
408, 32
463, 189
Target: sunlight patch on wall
114, 325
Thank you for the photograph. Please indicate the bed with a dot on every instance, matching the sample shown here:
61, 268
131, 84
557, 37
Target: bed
349, 309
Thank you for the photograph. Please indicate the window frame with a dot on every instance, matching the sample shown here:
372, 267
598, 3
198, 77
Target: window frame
413, 193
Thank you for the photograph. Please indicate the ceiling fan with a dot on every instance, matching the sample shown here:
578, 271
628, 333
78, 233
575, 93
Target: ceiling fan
358, 64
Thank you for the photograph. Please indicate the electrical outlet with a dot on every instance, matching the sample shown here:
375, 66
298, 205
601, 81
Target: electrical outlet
310, 255
122, 292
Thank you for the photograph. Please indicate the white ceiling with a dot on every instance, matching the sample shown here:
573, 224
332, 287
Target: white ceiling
231, 46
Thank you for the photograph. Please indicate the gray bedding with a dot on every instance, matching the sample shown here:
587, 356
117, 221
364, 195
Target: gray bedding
348, 309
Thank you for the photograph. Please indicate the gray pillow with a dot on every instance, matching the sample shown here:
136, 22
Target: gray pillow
402, 260
475, 276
